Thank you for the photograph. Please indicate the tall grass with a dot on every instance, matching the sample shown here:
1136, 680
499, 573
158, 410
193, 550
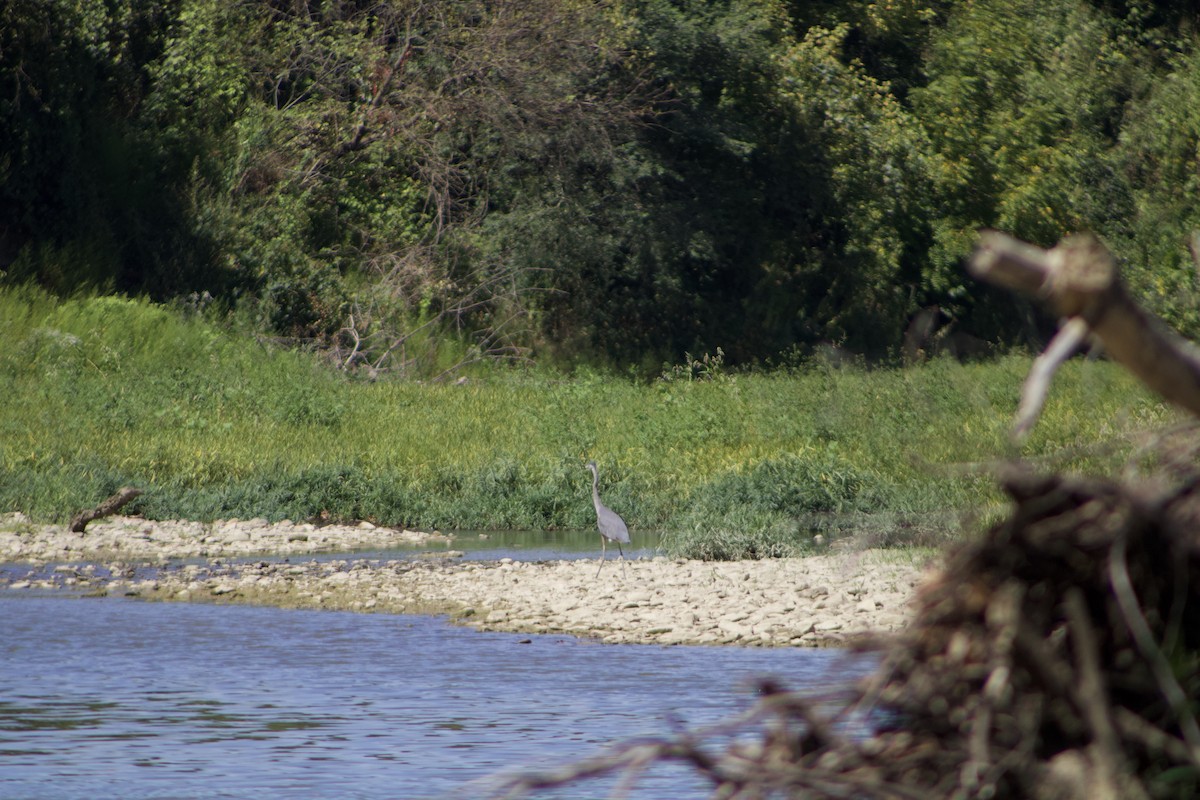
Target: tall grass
101, 392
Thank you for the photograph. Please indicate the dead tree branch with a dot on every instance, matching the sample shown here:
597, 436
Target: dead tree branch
1079, 280
107, 508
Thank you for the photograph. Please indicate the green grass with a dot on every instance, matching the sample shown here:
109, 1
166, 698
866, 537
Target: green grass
102, 392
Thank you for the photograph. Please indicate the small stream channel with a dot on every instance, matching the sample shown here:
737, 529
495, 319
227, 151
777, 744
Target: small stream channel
116, 698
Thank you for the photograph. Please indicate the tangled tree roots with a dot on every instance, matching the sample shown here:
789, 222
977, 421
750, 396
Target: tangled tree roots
1054, 657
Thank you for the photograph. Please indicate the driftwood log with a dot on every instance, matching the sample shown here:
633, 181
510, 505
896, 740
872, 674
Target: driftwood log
107, 508
1056, 656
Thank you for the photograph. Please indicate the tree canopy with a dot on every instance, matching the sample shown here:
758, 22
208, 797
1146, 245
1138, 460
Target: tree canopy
617, 182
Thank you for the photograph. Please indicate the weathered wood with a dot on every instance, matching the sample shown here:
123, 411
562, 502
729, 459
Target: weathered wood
1079, 280
107, 508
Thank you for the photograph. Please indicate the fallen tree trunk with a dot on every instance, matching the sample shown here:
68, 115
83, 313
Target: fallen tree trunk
107, 508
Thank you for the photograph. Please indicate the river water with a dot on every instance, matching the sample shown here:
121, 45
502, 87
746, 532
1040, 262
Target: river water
117, 698
527, 546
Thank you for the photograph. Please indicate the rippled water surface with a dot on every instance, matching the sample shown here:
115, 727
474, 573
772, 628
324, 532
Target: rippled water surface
105, 698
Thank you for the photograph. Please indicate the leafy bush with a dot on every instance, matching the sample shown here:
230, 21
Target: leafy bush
793, 485
756, 512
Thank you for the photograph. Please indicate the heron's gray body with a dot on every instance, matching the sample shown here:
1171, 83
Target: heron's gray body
612, 527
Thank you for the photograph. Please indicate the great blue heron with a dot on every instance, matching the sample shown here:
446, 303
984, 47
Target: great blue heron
612, 527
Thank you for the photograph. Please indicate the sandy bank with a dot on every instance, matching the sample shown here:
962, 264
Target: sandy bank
813, 601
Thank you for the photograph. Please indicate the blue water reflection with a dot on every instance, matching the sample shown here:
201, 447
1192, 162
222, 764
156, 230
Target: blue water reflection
124, 699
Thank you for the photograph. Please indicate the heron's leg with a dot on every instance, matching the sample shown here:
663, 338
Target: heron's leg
622, 552
603, 549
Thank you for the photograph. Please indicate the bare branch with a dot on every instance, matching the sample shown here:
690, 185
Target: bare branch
107, 508
1107, 759
1131, 611
1033, 394
1079, 280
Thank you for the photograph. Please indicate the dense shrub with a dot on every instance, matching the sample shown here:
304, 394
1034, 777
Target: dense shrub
412, 187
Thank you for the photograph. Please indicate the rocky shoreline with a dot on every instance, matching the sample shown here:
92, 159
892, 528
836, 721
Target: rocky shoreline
134, 538
813, 601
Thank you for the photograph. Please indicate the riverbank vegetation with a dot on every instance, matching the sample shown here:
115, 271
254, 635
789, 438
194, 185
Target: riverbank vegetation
414, 262
104, 391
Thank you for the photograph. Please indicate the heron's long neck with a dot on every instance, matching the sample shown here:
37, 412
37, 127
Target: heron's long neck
596, 490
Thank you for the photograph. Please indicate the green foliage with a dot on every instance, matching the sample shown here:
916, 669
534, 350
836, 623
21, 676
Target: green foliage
876, 153
709, 212
1020, 108
104, 392
205, 68
793, 486
1159, 149
413, 187
708, 367
89, 197
738, 535
756, 512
